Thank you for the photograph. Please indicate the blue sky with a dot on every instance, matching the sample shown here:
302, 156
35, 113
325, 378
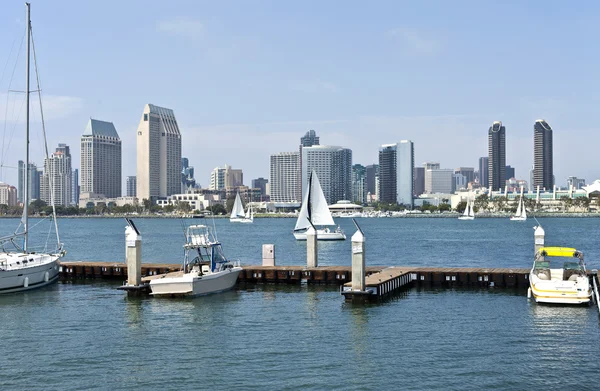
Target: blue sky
248, 79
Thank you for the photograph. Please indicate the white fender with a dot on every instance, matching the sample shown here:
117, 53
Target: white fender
46, 277
26, 282
529, 293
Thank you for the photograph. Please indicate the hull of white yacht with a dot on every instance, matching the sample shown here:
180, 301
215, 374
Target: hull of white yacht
192, 284
43, 271
518, 218
557, 291
466, 218
322, 235
241, 220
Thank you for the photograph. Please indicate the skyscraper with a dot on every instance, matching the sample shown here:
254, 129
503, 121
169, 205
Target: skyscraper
34, 182
75, 188
484, 171
371, 172
510, 172
225, 177
284, 177
333, 166
419, 176
359, 184
57, 178
158, 153
309, 139
439, 180
396, 170
260, 183
497, 156
131, 186
467, 172
101, 159
187, 175
543, 175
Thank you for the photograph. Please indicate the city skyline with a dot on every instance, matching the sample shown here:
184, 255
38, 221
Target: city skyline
443, 107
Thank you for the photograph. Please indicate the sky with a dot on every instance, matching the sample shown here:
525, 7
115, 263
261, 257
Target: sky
247, 79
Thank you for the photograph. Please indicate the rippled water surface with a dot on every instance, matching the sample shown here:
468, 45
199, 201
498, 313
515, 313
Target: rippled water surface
90, 336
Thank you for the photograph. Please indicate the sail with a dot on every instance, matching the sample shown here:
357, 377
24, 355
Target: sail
466, 212
314, 206
237, 210
518, 214
302, 222
471, 209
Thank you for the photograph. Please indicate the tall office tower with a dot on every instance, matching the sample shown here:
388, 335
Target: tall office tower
419, 176
371, 172
225, 177
101, 159
396, 172
260, 183
57, 178
468, 172
131, 186
34, 182
484, 171
575, 183
309, 139
217, 179
75, 188
187, 175
431, 166
497, 156
333, 166
158, 154
459, 182
359, 184
439, 181
284, 177
8, 194
543, 175
510, 172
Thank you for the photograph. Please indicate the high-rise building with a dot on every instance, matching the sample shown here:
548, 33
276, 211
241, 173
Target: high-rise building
333, 166
57, 178
101, 159
419, 176
510, 172
371, 172
484, 171
543, 175
75, 189
187, 175
260, 183
468, 172
459, 182
396, 170
284, 177
359, 184
131, 186
575, 183
309, 139
225, 177
439, 181
158, 153
497, 156
34, 182
8, 194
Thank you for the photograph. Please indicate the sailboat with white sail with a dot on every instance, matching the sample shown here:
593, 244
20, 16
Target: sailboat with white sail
237, 212
521, 214
315, 210
469, 213
21, 267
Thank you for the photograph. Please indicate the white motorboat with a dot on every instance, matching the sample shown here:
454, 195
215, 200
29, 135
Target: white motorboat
558, 276
521, 214
21, 267
205, 268
237, 212
315, 210
469, 213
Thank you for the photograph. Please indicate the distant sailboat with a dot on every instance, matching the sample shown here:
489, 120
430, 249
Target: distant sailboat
315, 210
468, 214
237, 212
521, 214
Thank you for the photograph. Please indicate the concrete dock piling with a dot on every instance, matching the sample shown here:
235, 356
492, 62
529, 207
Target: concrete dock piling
312, 256
268, 255
539, 238
133, 256
358, 261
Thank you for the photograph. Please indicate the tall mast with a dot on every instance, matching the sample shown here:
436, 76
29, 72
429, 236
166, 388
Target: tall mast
26, 185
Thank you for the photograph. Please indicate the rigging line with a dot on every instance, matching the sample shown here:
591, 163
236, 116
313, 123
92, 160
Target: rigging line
12, 133
50, 183
8, 59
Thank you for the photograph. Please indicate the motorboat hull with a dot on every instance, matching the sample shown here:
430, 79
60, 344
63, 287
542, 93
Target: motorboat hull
560, 292
466, 218
322, 235
30, 277
240, 220
192, 284
518, 218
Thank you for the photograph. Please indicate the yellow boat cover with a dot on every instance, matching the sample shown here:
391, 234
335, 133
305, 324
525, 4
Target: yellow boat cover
558, 251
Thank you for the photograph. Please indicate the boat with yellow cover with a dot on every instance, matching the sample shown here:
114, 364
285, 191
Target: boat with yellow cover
558, 276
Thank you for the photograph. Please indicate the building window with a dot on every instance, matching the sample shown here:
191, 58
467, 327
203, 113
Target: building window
139, 133
145, 117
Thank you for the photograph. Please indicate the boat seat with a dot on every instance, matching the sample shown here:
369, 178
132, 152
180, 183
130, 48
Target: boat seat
573, 277
543, 274
205, 269
570, 275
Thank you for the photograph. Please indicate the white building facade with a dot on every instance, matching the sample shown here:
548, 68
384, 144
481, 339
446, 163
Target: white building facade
439, 181
333, 166
284, 177
101, 159
56, 181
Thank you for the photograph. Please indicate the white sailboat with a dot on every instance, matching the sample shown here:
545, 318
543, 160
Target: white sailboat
22, 268
521, 214
469, 213
315, 210
237, 212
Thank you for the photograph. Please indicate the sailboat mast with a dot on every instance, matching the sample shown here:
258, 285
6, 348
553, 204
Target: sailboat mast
26, 184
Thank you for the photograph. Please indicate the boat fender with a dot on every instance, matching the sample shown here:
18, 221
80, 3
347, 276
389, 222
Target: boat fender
529, 293
26, 282
46, 277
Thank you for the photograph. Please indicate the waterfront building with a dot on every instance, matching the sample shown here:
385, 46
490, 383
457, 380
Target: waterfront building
284, 177
543, 175
187, 175
158, 153
459, 182
484, 171
90, 200
8, 194
396, 170
359, 184
224, 177
419, 177
75, 187
371, 172
131, 186
467, 172
261, 183
439, 181
575, 183
333, 166
57, 178
496, 156
34, 182
101, 159
510, 172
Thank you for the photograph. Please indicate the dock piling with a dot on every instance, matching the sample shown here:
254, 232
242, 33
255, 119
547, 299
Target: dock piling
539, 235
268, 255
358, 261
133, 255
311, 248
